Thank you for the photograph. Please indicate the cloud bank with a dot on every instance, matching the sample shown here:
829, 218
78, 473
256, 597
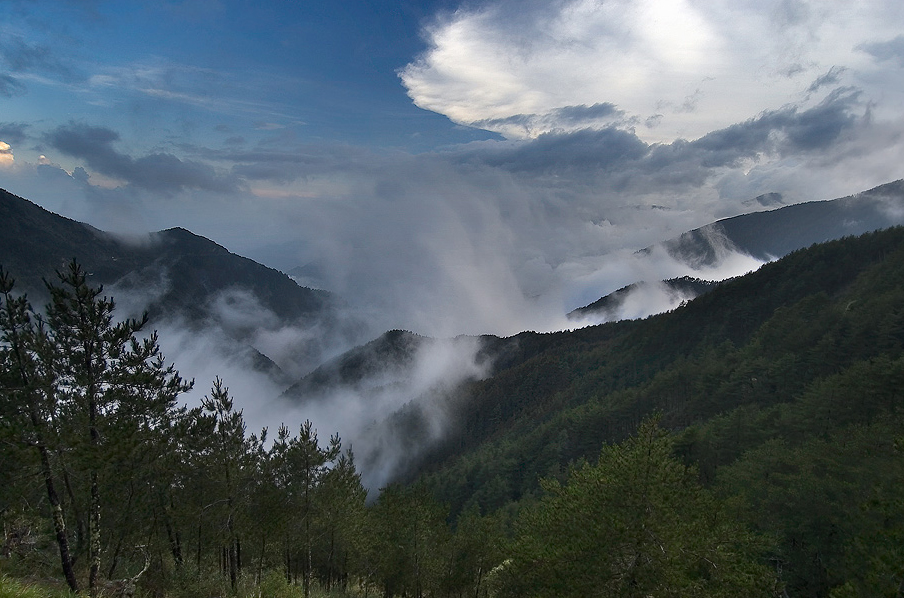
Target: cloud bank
668, 68
488, 237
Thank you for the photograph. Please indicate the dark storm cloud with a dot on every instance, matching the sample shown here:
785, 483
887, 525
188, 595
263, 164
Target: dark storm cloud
620, 155
830, 77
583, 113
558, 152
155, 172
891, 50
819, 127
13, 133
811, 129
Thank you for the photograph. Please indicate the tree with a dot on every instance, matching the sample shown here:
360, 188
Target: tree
409, 533
635, 524
230, 463
341, 517
29, 397
308, 464
475, 550
89, 383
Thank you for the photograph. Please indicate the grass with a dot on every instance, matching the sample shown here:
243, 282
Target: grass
13, 588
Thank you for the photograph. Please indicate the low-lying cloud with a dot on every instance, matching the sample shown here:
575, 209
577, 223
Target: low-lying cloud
393, 414
489, 237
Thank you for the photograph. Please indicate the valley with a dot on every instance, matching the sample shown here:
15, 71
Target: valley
772, 399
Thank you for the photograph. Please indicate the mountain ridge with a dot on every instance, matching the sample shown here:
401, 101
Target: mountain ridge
38, 241
770, 234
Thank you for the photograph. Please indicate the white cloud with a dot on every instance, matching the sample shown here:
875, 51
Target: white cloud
674, 68
6, 155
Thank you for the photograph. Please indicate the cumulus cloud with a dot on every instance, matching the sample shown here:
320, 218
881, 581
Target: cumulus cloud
6, 154
155, 172
670, 69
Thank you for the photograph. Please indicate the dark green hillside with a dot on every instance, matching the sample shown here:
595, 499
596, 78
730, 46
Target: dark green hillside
783, 389
773, 465
394, 351
763, 339
608, 307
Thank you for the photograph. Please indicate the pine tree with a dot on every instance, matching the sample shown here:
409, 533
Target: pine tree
30, 401
635, 524
89, 390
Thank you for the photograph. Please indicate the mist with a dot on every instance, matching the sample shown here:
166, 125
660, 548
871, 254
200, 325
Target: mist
488, 237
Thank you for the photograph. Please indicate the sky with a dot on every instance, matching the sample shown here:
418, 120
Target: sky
449, 167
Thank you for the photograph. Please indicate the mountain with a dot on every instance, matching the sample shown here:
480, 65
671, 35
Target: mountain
771, 234
393, 352
193, 269
757, 341
612, 306
172, 273
765, 235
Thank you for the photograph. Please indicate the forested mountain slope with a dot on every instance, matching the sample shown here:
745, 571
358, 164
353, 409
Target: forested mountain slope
176, 269
773, 233
764, 339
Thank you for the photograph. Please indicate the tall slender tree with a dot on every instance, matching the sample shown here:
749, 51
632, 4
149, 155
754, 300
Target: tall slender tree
29, 396
309, 463
86, 381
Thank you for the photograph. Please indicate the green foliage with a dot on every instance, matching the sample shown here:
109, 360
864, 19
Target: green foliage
635, 524
784, 387
832, 504
409, 538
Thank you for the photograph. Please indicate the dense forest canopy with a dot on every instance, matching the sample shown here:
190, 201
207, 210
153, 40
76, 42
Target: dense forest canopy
747, 443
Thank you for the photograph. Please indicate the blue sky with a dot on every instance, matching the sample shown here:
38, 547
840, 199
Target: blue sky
462, 167
167, 72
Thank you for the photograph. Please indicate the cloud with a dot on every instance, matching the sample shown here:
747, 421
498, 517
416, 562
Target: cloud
13, 133
19, 57
491, 236
6, 155
162, 172
10, 86
670, 68
494, 236
567, 117
890, 51
393, 413
830, 77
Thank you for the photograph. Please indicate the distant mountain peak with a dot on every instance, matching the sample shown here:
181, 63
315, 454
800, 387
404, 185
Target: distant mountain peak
766, 200
770, 234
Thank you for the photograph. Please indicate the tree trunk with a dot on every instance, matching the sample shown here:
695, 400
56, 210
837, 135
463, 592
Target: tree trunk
37, 424
59, 521
94, 531
175, 541
94, 511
